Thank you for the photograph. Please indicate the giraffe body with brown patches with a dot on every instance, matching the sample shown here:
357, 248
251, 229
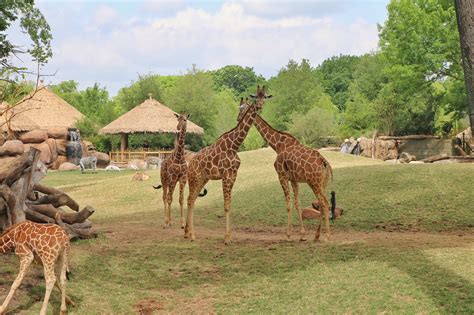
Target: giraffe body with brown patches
220, 161
48, 244
173, 171
296, 163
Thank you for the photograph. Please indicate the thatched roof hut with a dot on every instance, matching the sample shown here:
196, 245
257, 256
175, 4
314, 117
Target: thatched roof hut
47, 110
149, 117
18, 122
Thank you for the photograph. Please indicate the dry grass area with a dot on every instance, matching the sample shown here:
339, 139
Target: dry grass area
404, 245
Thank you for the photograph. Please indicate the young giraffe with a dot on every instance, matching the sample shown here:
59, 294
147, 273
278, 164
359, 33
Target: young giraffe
220, 161
173, 170
47, 243
298, 164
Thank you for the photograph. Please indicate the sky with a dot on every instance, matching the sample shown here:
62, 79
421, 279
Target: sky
112, 42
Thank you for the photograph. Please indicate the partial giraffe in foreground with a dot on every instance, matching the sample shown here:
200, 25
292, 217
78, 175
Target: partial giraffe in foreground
297, 163
220, 161
48, 244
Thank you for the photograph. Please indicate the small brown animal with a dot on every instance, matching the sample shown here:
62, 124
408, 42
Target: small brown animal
139, 176
314, 212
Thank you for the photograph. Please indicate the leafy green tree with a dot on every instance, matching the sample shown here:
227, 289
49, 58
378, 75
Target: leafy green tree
253, 141
194, 93
138, 91
296, 89
316, 126
31, 22
336, 75
227, 110
236, 78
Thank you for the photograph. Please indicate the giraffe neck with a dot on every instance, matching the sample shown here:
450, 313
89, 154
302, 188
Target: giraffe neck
179, 149
6, 242
238, 134
273, 137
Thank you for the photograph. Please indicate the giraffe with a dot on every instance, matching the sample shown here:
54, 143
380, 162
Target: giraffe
173, 170
297, 163
47, 243
220, 161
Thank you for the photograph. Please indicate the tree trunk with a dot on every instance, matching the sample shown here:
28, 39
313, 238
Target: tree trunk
465, 18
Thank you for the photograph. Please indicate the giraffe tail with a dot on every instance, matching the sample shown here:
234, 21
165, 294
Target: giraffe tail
157, 186
65, 258
204, 192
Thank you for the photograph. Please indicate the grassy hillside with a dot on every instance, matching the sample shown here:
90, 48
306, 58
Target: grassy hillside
404, 245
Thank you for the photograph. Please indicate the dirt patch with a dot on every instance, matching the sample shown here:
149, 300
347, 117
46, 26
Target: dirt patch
148, 307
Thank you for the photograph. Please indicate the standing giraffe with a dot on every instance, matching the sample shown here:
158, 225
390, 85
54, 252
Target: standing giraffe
173, 170
47, 243
220, 161
298, 164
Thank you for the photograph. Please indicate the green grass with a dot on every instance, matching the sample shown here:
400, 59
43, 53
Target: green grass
404, 245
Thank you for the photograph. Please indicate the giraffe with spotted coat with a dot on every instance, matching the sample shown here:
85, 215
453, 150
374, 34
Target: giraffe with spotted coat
297, 163
220, 161
48, 244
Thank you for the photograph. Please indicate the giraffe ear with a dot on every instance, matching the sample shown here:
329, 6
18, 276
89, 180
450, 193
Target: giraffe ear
189, 115
176, 115
253, 96
268, 96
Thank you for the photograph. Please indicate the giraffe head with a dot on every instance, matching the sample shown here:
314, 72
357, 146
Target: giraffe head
182, 119
260, 97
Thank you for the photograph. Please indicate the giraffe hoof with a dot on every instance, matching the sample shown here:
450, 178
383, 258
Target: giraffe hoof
302, 239
182, 226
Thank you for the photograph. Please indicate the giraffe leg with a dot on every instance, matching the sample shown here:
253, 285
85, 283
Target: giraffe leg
286, 191
169, 198
296, 192
319, 192
50, 280
227, 184
195, 186
165, 204
182, 183
25, 262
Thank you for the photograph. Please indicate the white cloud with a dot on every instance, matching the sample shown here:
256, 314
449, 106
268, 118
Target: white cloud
111, 49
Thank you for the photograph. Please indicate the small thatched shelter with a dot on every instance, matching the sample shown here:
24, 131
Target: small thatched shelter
149, 117
18, 122
48, 110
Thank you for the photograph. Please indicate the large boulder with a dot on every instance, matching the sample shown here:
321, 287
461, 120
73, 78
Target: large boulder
34, 136
12, 148
68, 167
7, 159
61, 146
53, 148
45, 155
103, 159
88, 148
57, 133
59, 160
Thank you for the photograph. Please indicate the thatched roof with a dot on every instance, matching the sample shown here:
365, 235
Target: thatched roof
150, 116
19, 122
47, 110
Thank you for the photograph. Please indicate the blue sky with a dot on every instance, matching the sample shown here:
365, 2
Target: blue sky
111, 42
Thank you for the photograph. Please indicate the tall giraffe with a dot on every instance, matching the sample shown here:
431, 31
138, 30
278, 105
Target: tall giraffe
220, 161
297, 163
47, 243
173, 170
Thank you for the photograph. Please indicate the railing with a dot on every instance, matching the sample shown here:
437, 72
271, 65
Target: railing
126, 156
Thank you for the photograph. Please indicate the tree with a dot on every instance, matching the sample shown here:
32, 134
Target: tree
296, 89
194, 93
33, 23
465, 20
138, 91
335, 75
236, 78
